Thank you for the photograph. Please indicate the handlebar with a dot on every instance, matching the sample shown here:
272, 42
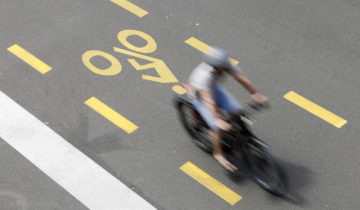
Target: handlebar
253, 106
258, 107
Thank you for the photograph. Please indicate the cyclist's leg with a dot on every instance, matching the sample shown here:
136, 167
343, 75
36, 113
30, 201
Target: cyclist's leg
206, 115
226, 101
215, 134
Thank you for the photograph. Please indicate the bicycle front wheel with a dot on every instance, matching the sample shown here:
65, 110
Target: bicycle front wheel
265, 168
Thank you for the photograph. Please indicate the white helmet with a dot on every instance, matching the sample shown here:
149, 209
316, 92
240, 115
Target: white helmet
217, 58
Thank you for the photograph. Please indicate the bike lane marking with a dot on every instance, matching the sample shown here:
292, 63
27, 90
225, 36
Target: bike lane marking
178, 89
315, 109
136, 10
67, 166
30, 59
210, 183
111, 115
202, 47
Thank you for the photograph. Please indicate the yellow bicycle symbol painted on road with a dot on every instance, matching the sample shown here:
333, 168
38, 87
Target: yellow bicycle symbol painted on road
164, 73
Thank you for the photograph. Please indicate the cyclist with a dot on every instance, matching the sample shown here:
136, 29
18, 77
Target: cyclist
211, 97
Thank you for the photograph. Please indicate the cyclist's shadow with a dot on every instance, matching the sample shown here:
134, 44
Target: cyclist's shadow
299, 177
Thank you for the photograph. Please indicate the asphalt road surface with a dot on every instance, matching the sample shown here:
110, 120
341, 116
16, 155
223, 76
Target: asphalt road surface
309, 47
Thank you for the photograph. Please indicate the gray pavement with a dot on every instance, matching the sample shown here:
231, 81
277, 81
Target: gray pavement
310, 47
23, 186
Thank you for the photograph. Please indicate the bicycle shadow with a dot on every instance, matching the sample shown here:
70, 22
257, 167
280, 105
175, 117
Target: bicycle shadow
79, 137
299, 178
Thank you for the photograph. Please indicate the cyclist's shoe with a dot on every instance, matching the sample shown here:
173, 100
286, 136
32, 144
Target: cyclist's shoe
225, 163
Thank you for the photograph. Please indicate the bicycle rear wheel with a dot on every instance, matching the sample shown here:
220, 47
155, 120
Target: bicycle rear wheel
195, 127
265, 168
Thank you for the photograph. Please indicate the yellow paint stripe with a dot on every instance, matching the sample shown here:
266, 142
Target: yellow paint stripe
29, 59
130, 7
111, 115
315, 109
202, 47
210, 183
197, 44
179, 90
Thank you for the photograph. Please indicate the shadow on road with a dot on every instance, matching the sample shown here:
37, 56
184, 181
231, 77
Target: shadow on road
79, 137
299, 178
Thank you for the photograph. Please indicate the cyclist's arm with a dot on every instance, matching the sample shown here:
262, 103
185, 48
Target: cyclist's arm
245, 82
256, 96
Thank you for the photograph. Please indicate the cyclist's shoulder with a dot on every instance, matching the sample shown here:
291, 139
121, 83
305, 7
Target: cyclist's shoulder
203, 66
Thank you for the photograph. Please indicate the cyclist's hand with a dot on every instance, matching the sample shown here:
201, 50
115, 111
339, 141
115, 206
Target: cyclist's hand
259, 99
223, 125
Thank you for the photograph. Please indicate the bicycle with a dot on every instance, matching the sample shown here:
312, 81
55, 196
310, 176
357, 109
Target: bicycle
261, 163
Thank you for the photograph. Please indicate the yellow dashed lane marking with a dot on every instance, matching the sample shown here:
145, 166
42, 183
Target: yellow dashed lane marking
130, 7
315, 109
210, 183
29, 59
201, 46
111, 115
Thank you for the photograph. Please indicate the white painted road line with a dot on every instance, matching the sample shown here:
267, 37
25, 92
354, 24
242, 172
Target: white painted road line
67, 166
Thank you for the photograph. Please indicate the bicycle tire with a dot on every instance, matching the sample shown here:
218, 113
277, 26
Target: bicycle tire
199, 138
277, 184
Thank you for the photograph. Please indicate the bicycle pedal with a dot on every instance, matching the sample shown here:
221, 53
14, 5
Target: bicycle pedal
247, 120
